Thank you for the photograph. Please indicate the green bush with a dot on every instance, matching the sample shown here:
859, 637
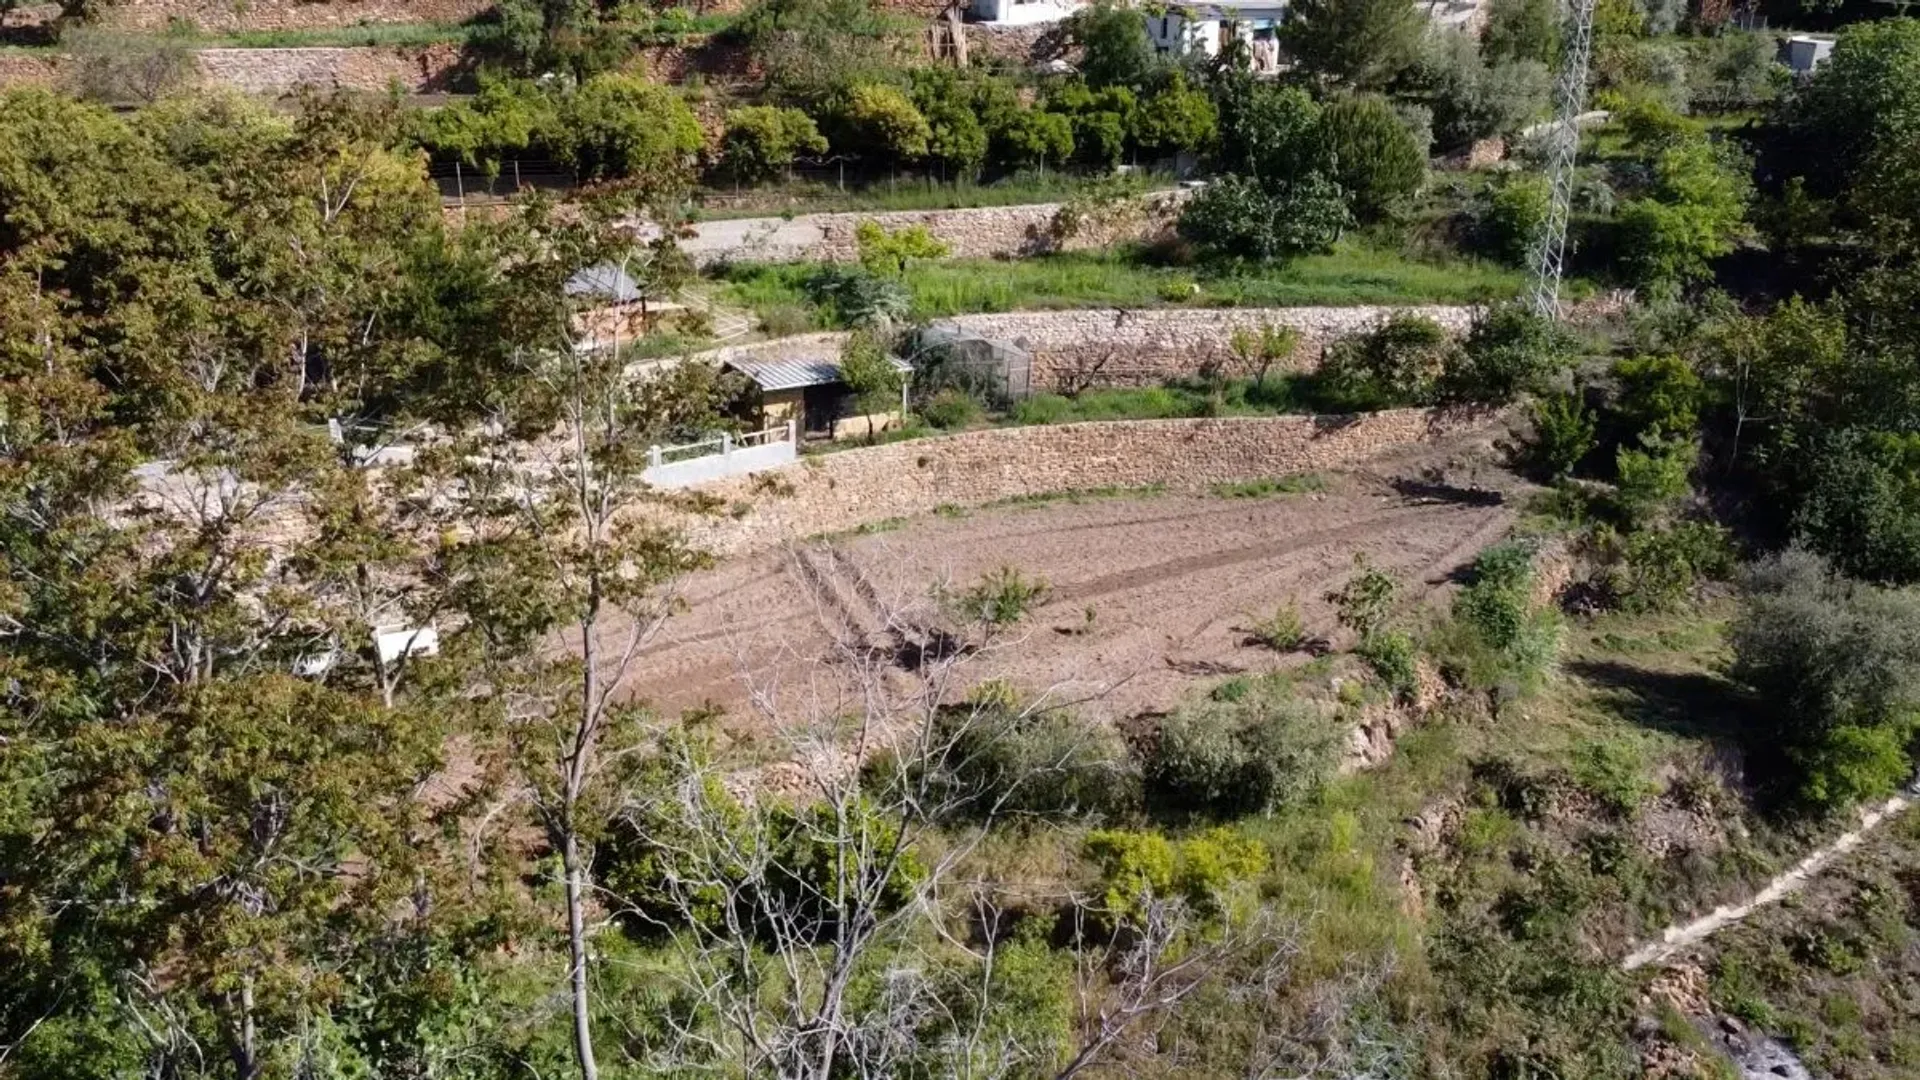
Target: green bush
951, 408
762, 141
1862, 504
1374, 157
1694, 214
1283, 631
1509, 351
1366, 601
1496, 640
1514, 214
626, 127
1563, 435
1835, 669
1653, 477
1249, 756
1137, 868
1235, 217
1394, 657
1000, 757
1661, 568
1397, 363
1660, 395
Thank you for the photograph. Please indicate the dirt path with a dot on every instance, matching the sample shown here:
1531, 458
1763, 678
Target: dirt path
1144, 593
1677, 938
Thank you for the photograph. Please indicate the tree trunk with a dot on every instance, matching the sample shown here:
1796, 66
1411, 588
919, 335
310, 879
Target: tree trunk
577, 954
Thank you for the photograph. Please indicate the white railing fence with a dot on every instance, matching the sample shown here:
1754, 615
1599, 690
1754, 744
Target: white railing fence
728, 455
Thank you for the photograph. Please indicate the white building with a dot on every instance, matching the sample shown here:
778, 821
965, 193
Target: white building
1805, 53
1202, 27
1021, 12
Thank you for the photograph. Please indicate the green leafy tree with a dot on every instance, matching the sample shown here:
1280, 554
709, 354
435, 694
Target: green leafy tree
1176, 118
762, 141
1695, 213
1235, 217
1832, 664
1514, 213
1372, 155
1862, 504
1271, 133
1362, 44
1472, 99
882, 121
867, 369
1030, 137
1113, 43
1521, 30
620, 127
506, 118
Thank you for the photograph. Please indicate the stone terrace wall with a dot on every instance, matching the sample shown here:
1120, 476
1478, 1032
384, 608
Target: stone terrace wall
978, 233
1118, 347
229, 15
846, 490
276, 72
280, 71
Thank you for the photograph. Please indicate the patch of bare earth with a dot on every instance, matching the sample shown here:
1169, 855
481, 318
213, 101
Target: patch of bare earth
1144, 593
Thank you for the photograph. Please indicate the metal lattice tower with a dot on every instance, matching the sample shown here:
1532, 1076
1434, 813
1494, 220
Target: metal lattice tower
1563, 144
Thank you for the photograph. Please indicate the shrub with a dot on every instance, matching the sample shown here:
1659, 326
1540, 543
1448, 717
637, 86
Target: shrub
1175, 118
951, 408
1283, 631
1372, 155
1394, 657
1660, 568
1366, 600
1831, 662
1495, 639
1862, 504
761, 142
1653, 477
1660, 396
1239, 218
1509, 351
884, 252
857, 297
1000, 598
1651, 124
1514, 213
1137, 868
1563, 435
1614, 773
1252, 755
1397, 363
1001, 757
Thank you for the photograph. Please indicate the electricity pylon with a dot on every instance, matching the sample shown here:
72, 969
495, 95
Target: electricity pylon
1563, 144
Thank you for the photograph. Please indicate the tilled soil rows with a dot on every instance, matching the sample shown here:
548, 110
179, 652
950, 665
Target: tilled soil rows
1144, 593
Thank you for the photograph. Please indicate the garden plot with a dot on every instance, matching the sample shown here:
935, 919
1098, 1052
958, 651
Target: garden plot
1144, 591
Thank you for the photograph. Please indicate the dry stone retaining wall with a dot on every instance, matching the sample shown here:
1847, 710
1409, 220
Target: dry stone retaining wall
1119, 347
977, 233
852, 488
232, 15
281, 71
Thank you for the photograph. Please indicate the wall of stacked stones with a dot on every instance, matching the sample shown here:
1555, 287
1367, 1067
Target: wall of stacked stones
1120, 347
846, 490
232, 15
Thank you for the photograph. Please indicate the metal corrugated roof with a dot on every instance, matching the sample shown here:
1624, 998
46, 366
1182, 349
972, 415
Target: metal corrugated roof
604, 282
792, 373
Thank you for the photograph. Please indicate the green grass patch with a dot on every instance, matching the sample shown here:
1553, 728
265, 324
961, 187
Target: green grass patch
1349, 276
917, 193
1076, 495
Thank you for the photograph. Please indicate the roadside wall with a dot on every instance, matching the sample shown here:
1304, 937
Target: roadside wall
851, 488
230, 15
1119, 347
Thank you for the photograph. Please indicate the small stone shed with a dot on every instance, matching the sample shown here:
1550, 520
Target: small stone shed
809, 391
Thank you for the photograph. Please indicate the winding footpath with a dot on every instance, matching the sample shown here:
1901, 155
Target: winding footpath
1676, 938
